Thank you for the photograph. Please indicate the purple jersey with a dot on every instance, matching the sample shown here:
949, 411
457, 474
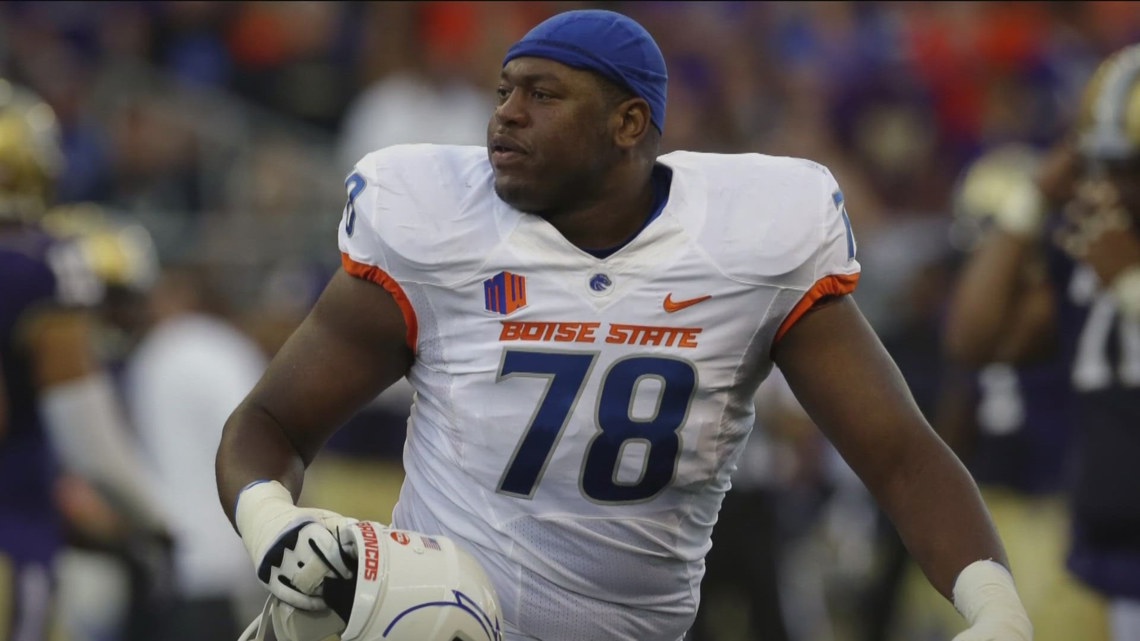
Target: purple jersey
1024, 427
1104, 351
34, 273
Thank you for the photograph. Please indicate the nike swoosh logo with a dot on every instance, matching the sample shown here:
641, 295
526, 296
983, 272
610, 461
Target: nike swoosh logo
671, 305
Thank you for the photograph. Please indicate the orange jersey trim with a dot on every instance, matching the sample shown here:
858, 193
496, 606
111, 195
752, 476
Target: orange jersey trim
833, 285
376, 275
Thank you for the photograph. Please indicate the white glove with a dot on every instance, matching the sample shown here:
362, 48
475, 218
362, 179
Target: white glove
985, 595
294, 549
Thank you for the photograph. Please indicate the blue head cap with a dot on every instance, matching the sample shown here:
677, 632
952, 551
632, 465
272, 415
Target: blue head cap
608, 43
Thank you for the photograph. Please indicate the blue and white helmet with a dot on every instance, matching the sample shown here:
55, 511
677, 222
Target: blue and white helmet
408, 587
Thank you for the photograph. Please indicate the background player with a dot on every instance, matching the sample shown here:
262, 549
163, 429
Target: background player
566, 513
62, 413
1010, 424
1084, 307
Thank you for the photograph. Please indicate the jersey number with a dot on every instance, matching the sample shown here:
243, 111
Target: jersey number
1001, 405
1091, 367
354, 184
618, 429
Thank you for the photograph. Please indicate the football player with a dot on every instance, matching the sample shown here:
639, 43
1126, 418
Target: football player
1011, 423
1081, 303
62, 409
585, 324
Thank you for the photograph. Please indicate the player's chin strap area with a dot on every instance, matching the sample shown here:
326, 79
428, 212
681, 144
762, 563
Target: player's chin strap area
257, 629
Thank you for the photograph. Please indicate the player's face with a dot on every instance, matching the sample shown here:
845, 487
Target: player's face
549, 140
1126, 178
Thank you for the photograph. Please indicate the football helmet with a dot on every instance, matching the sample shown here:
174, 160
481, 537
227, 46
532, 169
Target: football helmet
1108, 124
986, 182
119, 251
998, 188
30, 153
408, 587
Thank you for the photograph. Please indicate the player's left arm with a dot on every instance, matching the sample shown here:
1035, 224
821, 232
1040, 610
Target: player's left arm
852, 389
77, 400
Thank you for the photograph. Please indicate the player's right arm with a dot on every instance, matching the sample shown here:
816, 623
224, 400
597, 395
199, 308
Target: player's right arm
349, 349
1003, 306
852, 389
356, 341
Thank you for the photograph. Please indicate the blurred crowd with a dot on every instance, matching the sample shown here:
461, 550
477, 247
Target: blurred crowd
229, 126
225, 129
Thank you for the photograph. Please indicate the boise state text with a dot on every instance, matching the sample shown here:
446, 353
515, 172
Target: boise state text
615, 333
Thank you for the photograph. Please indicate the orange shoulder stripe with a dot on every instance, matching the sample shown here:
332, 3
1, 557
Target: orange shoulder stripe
376, 275
833, 285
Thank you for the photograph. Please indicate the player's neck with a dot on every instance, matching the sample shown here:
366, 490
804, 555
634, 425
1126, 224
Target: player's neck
609, 220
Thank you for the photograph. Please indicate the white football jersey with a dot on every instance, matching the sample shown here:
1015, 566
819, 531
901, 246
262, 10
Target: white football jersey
577, 419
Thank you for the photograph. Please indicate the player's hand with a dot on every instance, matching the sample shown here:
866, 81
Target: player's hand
294, 549
1098, 231
1057, 175
985, 595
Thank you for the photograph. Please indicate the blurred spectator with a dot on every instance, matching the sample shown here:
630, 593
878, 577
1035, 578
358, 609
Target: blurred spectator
437, 96
895, 97
295, 57
190, 370
189, 40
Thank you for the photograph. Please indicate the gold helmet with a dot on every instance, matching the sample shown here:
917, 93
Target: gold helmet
119, 252
30, 153
1108, 124
998, 188
986, 184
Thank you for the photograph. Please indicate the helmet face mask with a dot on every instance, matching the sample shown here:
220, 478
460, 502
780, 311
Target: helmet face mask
31, 157
408, 587
1108, 127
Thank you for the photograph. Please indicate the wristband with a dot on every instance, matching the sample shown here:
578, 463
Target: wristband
984, 590
263, 507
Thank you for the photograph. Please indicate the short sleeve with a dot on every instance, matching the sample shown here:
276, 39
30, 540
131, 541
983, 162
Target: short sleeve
835, 267
364, 253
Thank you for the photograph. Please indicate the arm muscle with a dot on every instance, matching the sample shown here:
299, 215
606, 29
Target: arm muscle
852, 389
349, 349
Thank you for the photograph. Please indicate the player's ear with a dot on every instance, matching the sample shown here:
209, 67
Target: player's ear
633, 123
